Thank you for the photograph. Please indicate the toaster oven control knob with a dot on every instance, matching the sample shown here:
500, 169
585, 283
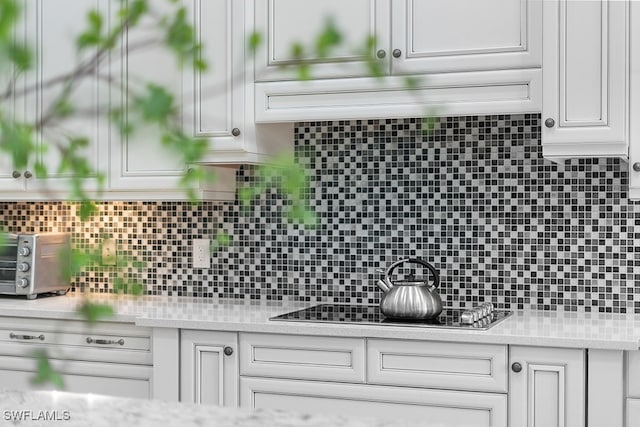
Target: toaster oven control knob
24, 251
23, 283
23, 266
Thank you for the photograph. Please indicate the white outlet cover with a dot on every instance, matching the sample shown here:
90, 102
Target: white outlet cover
201, 253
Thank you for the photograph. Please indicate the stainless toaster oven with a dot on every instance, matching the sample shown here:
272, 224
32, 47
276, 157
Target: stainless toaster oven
34, 263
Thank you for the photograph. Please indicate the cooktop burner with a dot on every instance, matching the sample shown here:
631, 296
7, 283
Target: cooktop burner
370, 314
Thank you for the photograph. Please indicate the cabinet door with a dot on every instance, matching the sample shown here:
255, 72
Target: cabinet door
50, 28
214, 100
139, 161
285, 22
634, 103
585, 81
439, 407
549, 390
209, 367
465, 35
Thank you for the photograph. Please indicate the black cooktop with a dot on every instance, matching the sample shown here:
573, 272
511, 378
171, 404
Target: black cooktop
370, 314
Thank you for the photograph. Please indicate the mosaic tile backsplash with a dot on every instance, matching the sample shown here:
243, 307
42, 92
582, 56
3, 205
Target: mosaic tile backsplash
474, 197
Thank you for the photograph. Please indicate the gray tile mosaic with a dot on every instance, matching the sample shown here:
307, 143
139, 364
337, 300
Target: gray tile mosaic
474, 197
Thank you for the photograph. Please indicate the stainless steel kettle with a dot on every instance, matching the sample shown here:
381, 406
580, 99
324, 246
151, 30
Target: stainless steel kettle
410, 299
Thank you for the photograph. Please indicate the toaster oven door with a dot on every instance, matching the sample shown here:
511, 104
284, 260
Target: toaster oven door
8, 262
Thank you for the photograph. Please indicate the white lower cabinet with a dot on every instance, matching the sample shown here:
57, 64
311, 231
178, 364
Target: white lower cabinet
547, 387
440, 407
209, 367
110, 358
389, 379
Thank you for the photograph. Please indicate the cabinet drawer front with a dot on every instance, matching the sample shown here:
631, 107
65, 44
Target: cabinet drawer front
73, 340
81, 377
633, 369
304, 357
439, 407
437, 365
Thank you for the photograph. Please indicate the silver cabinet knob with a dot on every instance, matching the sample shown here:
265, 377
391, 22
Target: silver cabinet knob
28, 174
228, 351
636, 166
235, 132
397, 53
16, 174
516, 367
381, 54
549, 123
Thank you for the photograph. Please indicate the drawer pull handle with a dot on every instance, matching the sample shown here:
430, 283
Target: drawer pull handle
105, 342
26, 337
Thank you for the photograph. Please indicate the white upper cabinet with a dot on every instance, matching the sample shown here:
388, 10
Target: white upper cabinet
216, 105
634, 104
585, 78
470, 57
288, 22
53, 42
440, 36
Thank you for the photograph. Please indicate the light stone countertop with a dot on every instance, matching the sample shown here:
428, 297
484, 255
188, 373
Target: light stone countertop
527, 327
47, 408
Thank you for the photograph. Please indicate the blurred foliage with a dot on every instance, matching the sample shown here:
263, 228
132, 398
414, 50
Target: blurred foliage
150, 106
45, 373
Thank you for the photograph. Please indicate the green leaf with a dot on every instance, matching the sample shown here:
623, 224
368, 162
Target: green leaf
255, 39
328, 39
157, 104
45, 374
40, 169
93, 35
297, 51
87, 209
17, 139
92, 312
21, 57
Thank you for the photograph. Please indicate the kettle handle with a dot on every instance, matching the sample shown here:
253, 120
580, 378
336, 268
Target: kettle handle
432, 269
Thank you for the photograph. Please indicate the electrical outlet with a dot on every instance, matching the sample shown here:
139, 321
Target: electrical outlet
109, 251
201, 255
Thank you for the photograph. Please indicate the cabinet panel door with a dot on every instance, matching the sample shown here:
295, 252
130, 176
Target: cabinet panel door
439, 407
585, 81
50, 28
634, 102
466, 35
214, 99
207, 374
138, 160
285, 22
549, 391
